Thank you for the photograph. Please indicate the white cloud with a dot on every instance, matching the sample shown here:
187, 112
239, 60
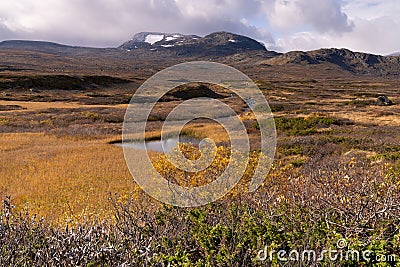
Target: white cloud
110, 22
366, 25
303, 41
319, 15
380, 35
372, 9
376, 29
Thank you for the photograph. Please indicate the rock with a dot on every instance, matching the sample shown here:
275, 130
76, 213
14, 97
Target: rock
383, 100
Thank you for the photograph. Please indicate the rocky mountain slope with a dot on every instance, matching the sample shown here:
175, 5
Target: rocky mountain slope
151, 40
215, 44
355, 62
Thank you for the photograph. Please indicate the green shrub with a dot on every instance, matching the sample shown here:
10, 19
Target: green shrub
303, 126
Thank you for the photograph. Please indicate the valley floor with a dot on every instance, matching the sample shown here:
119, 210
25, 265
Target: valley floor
336, 174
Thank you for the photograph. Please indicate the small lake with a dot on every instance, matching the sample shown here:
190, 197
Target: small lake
166, 144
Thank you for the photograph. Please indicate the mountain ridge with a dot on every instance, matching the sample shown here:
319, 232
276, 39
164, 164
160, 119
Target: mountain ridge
217, 43
50, 47
355, 62
225, 46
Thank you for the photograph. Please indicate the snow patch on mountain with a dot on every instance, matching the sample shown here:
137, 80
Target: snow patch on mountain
170, 38
153, 38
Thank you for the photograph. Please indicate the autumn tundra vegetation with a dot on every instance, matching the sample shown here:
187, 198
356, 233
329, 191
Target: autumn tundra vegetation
68, 198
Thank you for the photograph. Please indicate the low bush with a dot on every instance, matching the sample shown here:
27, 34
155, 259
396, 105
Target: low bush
308, 209
303, 126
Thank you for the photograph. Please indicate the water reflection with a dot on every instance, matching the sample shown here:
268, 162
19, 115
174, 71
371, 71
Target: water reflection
159, 145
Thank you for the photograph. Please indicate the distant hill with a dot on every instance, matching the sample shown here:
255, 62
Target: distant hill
355, 62
394, 54
214, 44
49, 47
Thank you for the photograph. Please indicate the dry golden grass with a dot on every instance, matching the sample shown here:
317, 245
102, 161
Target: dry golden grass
210, 130
46, 105
61, 178
195, 129
65, 178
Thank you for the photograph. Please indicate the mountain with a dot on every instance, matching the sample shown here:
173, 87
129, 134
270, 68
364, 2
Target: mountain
396, 54
214, 44
49, 47
31, 45
154, 45
155, 49
355, 62
151, 40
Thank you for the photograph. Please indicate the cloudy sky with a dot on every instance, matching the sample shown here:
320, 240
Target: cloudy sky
283, 25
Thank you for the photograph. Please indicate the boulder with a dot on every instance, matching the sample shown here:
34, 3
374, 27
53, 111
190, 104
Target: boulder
383, 100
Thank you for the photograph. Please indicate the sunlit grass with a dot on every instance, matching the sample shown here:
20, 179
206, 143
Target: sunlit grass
61, 178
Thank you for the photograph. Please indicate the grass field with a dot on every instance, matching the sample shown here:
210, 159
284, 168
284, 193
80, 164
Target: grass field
335, 175
57, 160
62, 178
